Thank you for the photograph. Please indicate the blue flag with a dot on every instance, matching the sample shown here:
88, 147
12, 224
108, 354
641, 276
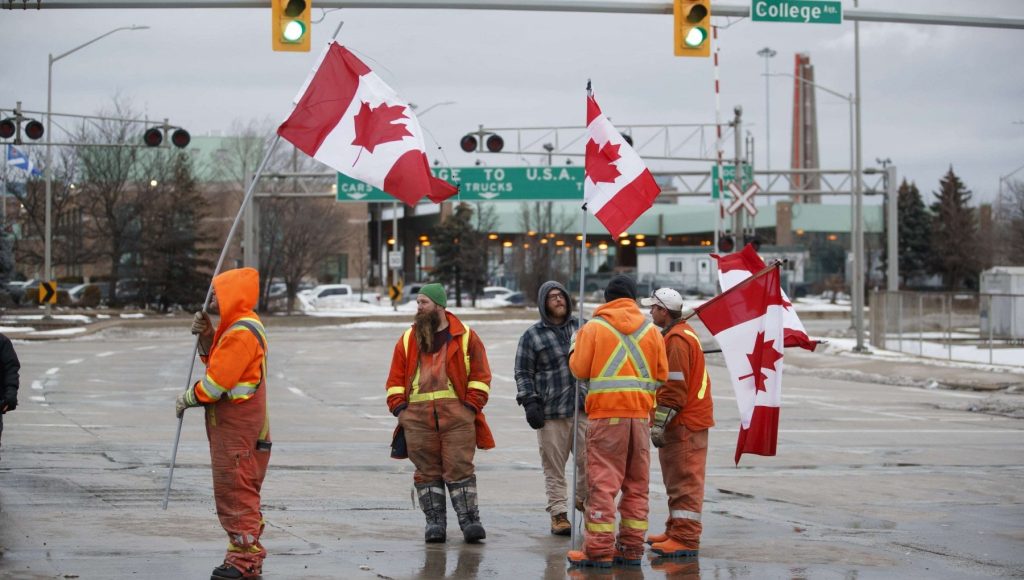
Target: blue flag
19, 160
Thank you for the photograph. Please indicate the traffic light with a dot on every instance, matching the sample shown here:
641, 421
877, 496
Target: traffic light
692, 27
725, 244
290, 24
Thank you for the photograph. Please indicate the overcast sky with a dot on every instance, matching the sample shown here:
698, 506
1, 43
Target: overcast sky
932, 95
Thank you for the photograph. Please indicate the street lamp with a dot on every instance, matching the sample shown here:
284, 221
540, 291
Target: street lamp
48, 251
767, 53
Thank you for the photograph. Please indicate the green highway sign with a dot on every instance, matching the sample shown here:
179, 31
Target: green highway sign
487, 184
729, 174
806, 11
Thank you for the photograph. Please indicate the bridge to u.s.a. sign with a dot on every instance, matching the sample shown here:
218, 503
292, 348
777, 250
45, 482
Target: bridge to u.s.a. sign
487, 184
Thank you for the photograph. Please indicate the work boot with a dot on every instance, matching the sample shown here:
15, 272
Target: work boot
626, 557
464, 501
656, 538
581, 506
227, 571
560, 525
432, 502
580, 559
673, 549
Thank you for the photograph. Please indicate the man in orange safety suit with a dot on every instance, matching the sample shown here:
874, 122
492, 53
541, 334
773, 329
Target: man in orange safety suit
623, 357
680, 429
438, 386
234, 393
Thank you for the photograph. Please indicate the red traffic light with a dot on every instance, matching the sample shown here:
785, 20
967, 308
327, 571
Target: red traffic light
34, 130
725, 244
153, 137
495, 143
468, 143
7, 129
180, 138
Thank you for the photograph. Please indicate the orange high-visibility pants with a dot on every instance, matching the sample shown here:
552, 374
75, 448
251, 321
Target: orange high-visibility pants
238, 472
683, 459
618, 460
441, 438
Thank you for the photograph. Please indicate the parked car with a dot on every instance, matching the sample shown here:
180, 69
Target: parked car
512, 299
496, 292
327, 296
80, 294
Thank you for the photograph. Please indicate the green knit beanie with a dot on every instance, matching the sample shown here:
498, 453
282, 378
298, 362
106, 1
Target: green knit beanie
436, 293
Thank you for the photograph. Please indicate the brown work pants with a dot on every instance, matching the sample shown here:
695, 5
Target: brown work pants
441, 439
555, 442
618, 460
683, 459
238, 472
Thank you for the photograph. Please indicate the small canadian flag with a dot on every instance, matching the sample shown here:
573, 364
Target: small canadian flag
346, 117
747, 322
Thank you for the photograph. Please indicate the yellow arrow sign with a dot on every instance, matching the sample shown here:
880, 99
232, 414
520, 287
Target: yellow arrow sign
47, 292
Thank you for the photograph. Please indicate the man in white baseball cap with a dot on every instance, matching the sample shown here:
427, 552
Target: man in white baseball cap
680, 428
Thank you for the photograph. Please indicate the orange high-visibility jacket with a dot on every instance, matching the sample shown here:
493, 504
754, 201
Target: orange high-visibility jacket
235, 361
468, 372
623, 357
688, 388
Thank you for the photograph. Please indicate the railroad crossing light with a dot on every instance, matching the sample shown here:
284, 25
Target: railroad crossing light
468, 143
692, 27
725, 244
495, 143
34, 130
8, 128
180, 138
290, 25
14, 127
154, 137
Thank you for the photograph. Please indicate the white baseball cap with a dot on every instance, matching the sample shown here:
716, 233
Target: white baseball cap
667, 298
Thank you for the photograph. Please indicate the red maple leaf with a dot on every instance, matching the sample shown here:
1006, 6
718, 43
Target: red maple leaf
376, 126
764, 356
600, 164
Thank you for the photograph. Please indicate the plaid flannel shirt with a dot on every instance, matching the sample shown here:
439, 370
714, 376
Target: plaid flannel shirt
542, 368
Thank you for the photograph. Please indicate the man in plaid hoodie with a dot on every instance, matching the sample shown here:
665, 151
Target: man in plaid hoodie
546, 390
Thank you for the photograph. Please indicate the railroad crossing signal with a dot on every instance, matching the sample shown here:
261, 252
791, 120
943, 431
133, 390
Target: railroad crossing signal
743, 198
47, 292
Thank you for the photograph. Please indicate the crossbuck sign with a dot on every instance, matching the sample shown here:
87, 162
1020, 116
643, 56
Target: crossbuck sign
743, 199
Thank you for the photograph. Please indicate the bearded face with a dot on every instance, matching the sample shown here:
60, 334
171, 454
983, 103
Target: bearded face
556, 305
426, 324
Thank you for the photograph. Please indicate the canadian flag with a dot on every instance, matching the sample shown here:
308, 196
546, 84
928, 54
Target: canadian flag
346, 117
747, 322
618, 188
737, 267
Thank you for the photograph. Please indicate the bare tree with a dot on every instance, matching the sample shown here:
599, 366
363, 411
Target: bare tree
539, 259
1009, 224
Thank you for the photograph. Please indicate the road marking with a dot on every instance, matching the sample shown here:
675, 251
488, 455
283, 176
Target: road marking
369, 416
37, 399
373, 398
943, 393
503, 378
298, 392
74, 361
863, 410
148, 347
66, 425
37, 385
106, 354
53, 371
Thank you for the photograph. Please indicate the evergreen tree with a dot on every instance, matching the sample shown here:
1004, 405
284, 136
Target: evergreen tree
914, 233
954, 236
460, 249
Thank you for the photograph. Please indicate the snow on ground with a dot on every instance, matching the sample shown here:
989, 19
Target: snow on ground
1009, 360
66, 317
59, 332
16, 329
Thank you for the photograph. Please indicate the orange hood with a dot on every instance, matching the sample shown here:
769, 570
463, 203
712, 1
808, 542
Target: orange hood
622, 313
237, 294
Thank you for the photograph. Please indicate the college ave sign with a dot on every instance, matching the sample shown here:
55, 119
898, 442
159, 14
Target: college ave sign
806, 11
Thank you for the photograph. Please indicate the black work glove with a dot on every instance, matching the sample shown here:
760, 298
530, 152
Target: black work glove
534, 413
398, 410
10, 400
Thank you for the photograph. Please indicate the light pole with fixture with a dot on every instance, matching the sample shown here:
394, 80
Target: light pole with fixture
767, 53
48, 233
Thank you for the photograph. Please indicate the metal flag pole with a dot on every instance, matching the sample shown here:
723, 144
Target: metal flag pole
209, 294
576, 394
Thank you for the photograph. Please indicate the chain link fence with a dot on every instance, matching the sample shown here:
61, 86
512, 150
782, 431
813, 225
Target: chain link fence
956, 326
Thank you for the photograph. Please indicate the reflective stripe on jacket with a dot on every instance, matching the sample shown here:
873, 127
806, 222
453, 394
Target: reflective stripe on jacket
624, 360
688, 388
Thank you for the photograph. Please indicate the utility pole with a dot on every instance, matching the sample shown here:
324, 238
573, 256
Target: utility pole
737, 217
857, 299
768, 54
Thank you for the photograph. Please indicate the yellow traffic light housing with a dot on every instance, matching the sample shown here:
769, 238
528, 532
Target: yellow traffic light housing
692, 27
290, 25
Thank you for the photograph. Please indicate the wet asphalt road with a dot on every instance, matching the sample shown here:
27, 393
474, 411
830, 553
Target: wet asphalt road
870, 481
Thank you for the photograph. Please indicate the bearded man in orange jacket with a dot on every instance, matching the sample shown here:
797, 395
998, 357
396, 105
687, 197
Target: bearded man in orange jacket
438, 386
234, 393
680, 430
623, 357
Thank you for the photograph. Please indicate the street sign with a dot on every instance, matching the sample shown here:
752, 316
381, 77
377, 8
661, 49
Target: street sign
544, 183
729, 173
47, 292
805, 11
744, 199
395, 292
395, 260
